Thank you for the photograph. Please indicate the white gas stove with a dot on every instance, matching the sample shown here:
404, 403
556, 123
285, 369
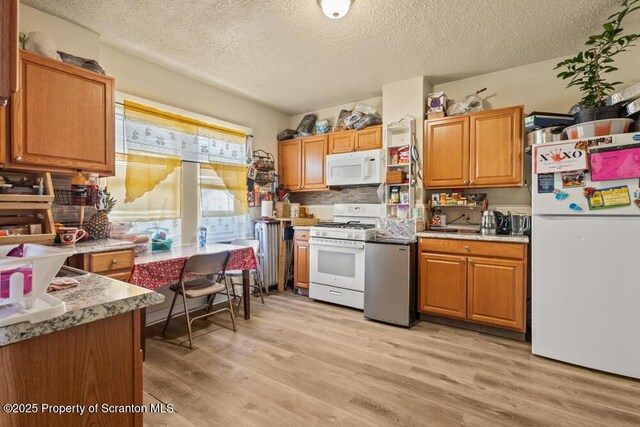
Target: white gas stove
336, 254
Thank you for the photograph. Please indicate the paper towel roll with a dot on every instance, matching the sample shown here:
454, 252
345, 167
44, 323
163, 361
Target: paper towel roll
266, 209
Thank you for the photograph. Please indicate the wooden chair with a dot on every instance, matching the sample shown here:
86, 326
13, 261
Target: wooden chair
257, 283
195, 282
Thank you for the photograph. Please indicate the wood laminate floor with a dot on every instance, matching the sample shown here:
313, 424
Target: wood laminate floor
299, 362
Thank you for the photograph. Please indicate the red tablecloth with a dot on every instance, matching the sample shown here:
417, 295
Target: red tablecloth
154, 274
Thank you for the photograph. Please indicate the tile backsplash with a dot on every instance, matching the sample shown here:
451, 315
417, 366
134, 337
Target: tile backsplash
356, 194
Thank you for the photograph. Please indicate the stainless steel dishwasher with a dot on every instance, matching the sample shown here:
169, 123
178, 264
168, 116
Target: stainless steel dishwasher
390, 281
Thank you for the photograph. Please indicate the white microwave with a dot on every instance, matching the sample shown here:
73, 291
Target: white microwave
356, 168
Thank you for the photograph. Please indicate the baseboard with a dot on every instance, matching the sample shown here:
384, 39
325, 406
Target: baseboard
485, 329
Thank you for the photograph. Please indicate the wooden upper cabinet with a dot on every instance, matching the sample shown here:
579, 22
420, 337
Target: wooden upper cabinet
443, 285
446, 152
369, 138
342, 142
477, 150
290, 164
314, 153
496, 147
8, 49
62, 117
496, 292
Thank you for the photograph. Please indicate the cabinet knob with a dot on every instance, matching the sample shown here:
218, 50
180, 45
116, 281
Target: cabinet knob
467, 248
466, 181
463, 259
114, 261
472, 182
19, 159
470, 261
3, 102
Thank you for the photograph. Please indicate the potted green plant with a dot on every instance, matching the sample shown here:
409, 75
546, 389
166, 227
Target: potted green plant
588, 69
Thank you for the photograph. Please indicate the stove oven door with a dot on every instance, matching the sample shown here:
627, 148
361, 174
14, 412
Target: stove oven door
338, 263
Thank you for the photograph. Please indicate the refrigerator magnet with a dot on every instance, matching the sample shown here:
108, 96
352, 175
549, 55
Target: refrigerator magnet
573, 179
560, 195
611, 197
545, 183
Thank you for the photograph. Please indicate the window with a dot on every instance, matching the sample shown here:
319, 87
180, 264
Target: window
172, 170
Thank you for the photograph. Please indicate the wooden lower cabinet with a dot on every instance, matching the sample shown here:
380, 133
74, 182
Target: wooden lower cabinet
496, 292
114, 264
301, 259
459, 281
98, 362
443, 287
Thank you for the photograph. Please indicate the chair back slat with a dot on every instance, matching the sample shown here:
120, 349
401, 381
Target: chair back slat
205, 264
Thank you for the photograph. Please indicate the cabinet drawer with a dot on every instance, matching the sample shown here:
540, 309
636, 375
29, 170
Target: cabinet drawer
347, 297
301, 235
123, 277
474, 248
111, 261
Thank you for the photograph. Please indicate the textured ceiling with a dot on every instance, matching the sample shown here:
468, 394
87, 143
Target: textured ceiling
287, 54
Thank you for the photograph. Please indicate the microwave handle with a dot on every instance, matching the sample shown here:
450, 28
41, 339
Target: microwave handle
365, 169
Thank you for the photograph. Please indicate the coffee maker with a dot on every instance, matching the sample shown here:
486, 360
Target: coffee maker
503, 223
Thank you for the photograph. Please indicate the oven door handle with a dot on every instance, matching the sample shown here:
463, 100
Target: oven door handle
358, 245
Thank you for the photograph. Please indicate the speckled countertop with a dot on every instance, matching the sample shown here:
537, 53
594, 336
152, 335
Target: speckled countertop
473, 236
103, 245
97, 297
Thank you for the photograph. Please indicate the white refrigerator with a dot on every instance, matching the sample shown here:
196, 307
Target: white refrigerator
586, 253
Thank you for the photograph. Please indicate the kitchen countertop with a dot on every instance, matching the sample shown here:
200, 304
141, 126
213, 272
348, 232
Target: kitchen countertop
473, 236
102, 245
96, 297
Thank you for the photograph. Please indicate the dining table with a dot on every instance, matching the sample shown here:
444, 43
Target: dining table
153, 270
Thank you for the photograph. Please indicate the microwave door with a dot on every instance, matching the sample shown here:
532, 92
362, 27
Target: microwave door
348, 171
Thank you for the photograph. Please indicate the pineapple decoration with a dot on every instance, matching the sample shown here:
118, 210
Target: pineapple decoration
98, 227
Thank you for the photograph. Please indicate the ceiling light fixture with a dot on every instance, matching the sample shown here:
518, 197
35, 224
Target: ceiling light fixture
335, 9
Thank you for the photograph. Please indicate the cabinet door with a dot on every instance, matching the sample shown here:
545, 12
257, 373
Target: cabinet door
496, 148
369, 138
314, 153
289, 164
62, 117
443, 285
301, 264
446, 153
4, 134
496, 292
8, 49
342, 142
